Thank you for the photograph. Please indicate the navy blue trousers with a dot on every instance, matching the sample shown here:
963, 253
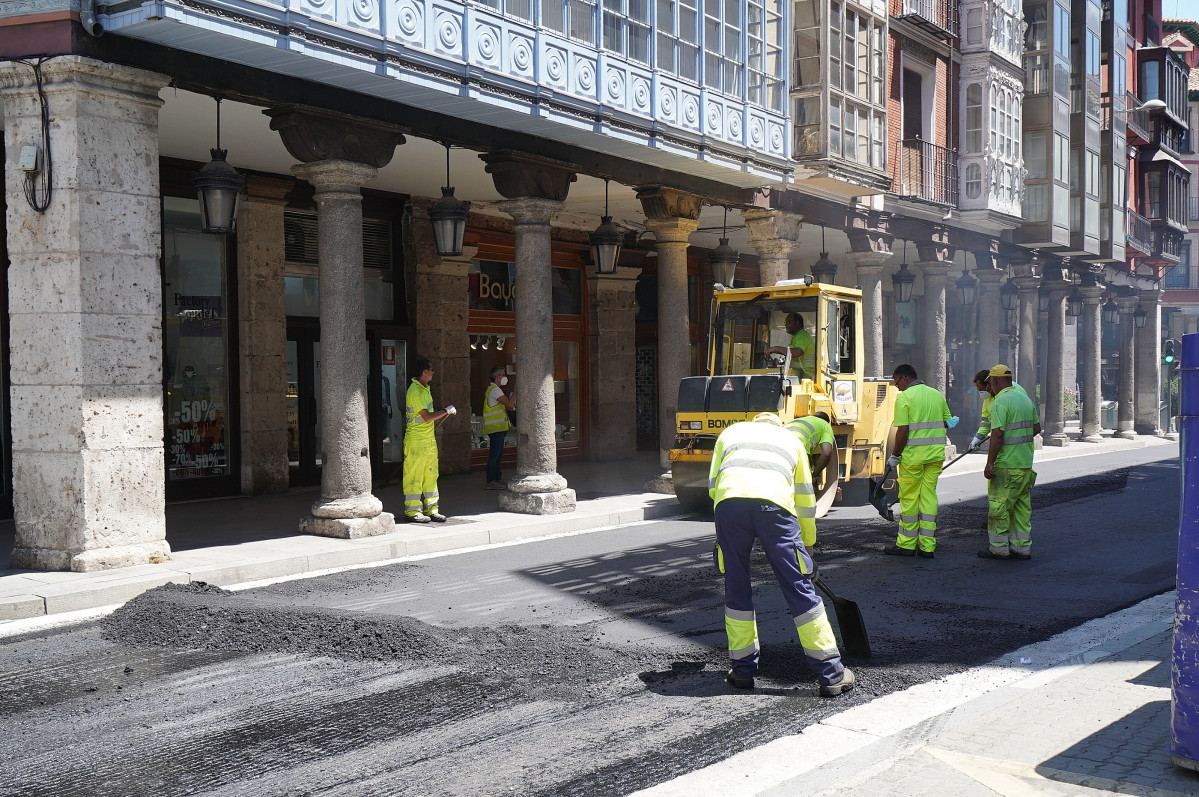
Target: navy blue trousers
740, 521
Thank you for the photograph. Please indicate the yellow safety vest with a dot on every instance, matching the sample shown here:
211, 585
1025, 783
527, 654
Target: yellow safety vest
1014, 413
759, 460
418, 398
923, 410
812, 431
495, 416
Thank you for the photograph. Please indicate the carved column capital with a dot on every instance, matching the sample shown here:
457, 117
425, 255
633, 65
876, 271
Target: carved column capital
661, 202
531, 210
314, 134
771, 225
869, 260
517, 175
336, 178
672, 229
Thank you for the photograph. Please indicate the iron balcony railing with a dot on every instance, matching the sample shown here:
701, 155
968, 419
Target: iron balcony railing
940, 17
928, 171
1140, 233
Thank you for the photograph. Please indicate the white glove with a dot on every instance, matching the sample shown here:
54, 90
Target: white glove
976, 442
893, 461
449, 410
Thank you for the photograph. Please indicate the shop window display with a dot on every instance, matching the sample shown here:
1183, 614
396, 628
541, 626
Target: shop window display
196, 331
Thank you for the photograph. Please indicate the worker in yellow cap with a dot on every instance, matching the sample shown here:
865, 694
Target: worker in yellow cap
1014, 427
921, 420
762, 490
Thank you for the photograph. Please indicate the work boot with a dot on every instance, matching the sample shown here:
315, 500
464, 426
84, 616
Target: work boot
844, 685
437, 517
987, 553
925, 554
419, 517
895, 550
1023, 557
739, 682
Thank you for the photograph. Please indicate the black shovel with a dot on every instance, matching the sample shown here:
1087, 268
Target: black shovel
854, 641
878, 497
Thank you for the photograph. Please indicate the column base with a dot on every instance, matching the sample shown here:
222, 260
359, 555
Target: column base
1149, 430
1126, 434
147, 553
557, 502
1091, 438
1057, 440
663, 483
350, 528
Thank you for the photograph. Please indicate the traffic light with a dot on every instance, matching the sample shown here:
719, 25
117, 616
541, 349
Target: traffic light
1170, 355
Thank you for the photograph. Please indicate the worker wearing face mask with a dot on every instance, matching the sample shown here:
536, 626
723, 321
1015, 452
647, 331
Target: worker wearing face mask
495, 424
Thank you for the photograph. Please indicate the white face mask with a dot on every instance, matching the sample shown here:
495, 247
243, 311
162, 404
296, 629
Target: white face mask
503, 381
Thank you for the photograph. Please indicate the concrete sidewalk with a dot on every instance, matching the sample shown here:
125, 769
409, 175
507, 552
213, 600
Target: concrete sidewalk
1084, 713
234, 541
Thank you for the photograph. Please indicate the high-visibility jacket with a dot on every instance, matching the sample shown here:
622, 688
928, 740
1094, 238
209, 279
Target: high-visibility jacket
812, 431
923, 410
803, 341
759, 460
1014, 413
418, 398
495, 416
984, 426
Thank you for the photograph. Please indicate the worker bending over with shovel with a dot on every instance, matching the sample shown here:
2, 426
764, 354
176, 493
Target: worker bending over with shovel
921, 418
762, 489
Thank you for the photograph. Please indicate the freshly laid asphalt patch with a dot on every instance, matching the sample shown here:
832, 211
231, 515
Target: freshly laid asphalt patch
587, 665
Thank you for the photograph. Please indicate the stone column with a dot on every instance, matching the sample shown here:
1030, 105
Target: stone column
86, 391
1054, 422
674, 330
990, 315
1125, 418
440, 302
1026, 357
870, 280
671, 216
538, 489
772, 234
262, 323
932, 370
611, 300
1148, 365
346, 508
534, 189
1092, 335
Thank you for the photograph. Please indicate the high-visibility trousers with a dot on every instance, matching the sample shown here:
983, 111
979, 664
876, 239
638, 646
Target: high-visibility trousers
420, 475
739, 521
1009, 510
918, 505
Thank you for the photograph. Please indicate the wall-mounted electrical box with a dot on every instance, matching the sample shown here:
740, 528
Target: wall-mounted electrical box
30, 159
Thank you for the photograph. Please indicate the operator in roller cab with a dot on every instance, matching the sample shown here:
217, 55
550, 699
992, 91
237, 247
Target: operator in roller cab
802, 346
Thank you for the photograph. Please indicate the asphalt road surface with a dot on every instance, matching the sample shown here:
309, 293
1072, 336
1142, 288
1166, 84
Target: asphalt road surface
589, 664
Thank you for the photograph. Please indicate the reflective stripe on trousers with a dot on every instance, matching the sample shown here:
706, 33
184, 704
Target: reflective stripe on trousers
740, 521
420, 476
1009, 510
918, 506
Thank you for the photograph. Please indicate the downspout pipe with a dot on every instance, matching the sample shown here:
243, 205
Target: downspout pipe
88, 19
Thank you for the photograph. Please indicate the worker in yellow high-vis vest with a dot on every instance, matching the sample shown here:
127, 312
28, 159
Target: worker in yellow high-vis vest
921, 420
1010, 477
420, 447
762, 490
496, 404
